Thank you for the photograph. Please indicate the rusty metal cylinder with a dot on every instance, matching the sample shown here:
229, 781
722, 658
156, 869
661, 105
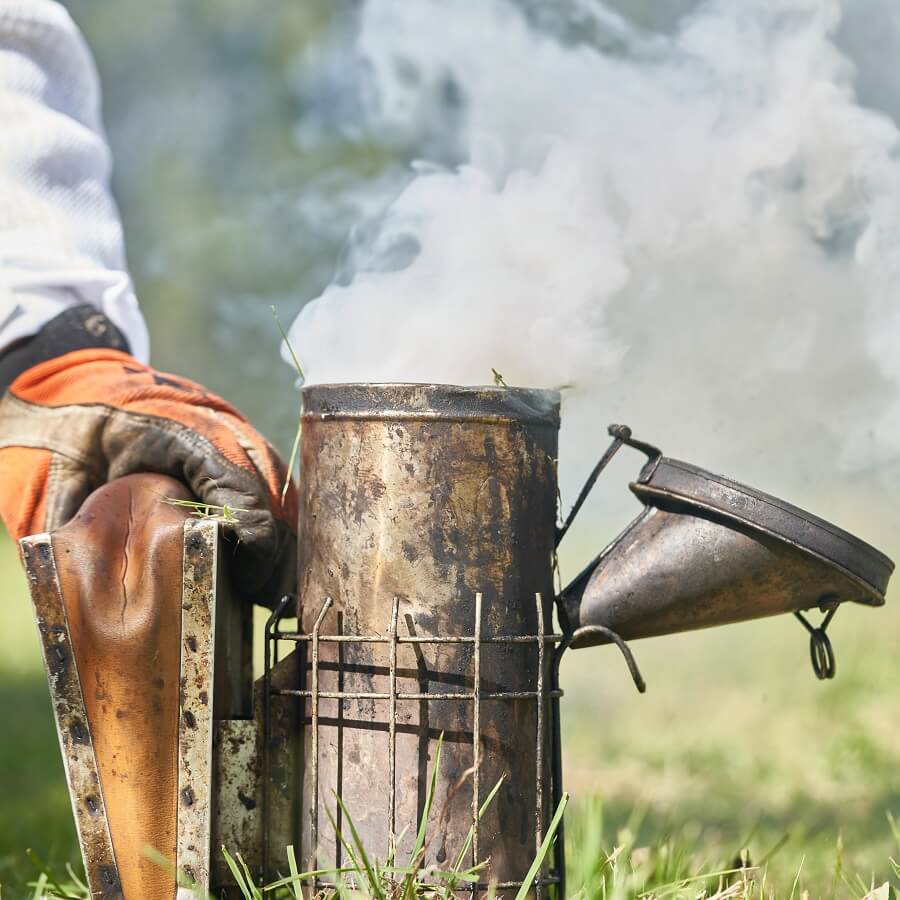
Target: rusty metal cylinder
429, 494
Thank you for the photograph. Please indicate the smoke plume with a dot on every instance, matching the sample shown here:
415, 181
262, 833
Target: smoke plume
693, 228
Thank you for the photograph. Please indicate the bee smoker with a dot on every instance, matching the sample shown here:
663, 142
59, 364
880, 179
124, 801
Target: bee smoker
427, 544
427, 540
427, 522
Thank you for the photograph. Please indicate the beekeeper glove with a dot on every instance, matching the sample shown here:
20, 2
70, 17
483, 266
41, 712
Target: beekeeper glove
80, 411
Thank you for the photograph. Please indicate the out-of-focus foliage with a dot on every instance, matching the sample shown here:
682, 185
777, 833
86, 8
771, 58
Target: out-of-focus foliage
224, 153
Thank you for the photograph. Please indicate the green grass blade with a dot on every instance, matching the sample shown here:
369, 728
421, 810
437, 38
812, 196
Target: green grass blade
356, 867
895, 828
415, 860
238, 875
372, 878
399, 838
206, 510
797, 879
538, 861
470, 836
167, 865
429, 801
295, 873
76, 880
292, 459
249, 881
673, 887
284, 337
39, 886
41, 866
300, 877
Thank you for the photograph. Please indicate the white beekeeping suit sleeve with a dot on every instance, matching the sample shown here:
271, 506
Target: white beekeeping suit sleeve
60, 236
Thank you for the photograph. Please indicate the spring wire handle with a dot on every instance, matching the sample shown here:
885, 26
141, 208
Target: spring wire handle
620, 435
821, 653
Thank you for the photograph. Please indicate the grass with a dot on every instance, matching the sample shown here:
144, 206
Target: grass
737, 745
361, 877
601, 871
301, 378
735, 753
207, 510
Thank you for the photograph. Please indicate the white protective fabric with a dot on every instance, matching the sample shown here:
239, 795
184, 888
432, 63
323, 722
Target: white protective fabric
60, 236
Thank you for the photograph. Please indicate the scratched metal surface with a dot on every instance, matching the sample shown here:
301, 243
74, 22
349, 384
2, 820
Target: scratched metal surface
195, 736
431, 495
674, 571
707, 551
236, 815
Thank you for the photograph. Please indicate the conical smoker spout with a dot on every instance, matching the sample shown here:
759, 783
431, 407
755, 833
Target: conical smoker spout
707, 551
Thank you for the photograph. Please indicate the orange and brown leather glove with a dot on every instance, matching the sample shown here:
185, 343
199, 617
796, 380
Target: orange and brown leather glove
71, 421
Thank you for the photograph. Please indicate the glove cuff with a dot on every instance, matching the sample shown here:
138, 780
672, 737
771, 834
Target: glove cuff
77, 328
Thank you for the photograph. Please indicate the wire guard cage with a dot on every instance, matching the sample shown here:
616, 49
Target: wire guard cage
548, 648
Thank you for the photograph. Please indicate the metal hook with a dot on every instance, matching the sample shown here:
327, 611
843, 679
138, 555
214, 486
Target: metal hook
592, 630
821, 653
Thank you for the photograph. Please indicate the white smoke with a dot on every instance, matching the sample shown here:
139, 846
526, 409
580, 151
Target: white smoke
698, 230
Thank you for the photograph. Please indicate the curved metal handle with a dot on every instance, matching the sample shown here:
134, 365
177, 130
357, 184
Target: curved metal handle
621, 435
592, 631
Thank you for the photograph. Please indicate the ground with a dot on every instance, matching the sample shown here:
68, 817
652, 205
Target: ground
735, 745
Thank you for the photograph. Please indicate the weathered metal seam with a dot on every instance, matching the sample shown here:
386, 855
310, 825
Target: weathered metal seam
400, 416
70, 713
476, 738
539, 741
392, 727
195, 729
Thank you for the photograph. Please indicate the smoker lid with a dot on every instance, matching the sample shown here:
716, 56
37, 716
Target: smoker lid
439, 402
665, 481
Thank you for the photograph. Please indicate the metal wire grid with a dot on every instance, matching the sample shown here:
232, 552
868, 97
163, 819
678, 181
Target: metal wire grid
540, 695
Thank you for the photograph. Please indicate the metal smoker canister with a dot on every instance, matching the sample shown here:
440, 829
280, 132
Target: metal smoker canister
430, 494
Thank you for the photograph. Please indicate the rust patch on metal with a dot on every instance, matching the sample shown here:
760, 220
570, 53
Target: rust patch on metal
195, 734
237, 824
677, 568
434, 495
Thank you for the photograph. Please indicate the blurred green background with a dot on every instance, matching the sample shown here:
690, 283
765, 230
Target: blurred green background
226, 146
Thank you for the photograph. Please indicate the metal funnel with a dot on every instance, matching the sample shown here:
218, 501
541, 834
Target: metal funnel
708, 551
